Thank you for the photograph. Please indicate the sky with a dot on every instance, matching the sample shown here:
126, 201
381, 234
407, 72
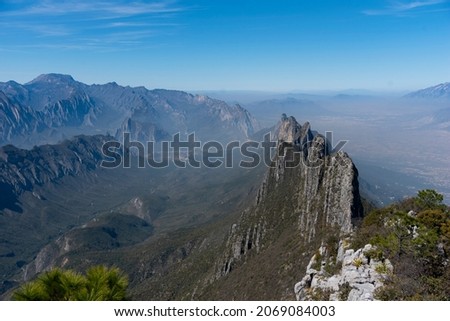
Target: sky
266, 45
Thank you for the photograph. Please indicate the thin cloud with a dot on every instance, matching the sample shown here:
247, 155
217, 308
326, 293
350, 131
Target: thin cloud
38, 28
118, 23
123, 9
402, 8
136, 25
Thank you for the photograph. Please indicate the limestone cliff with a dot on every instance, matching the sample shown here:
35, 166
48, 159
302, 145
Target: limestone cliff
348, 276
310, 195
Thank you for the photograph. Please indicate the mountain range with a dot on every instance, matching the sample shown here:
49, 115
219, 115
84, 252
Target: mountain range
53, 106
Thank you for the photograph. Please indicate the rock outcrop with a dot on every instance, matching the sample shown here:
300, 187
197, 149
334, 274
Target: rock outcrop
357, 275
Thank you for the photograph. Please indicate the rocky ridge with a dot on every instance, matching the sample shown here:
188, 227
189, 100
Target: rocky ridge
21, 170
309, 193
54, 106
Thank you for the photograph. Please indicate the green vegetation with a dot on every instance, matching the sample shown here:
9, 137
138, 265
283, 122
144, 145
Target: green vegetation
357, 262
317, 261
429, 199
415, 236
99, 284
319, 294
344, 291
382, 268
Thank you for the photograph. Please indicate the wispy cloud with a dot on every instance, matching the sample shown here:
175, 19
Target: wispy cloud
119, 9
68, 23
406, 7
119, 25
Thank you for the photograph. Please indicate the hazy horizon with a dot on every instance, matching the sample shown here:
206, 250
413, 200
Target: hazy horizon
243, 91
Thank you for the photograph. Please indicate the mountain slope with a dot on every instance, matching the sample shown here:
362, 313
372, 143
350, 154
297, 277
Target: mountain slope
21, 169
441, 91
16, 119
64, 210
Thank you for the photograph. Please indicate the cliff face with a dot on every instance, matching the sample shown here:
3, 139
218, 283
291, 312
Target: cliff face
22, 170
323, 184
310, 195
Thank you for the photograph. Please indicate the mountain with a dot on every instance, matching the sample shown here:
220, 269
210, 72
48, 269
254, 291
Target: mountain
17, 119
38, 188
256, 251
266, 247
297, 208
55, 106
22, 170
441, 91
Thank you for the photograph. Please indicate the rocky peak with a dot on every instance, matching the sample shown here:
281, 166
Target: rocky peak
308, 194
54, 79
288, 130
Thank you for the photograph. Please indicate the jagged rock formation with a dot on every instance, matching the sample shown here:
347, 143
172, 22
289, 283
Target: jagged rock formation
310, 193
322, 189
357, 275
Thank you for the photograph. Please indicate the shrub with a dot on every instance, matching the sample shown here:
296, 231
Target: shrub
99, 284
382, 268
344, 291
357, 262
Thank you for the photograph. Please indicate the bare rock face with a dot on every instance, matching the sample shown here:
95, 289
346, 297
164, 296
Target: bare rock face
16, 119
308, 190
326, 183
359, 275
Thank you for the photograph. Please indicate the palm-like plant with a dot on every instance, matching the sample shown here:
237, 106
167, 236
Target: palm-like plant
105, 284
99, 284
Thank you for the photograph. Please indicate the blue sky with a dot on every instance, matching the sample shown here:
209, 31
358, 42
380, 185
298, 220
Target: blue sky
279, 45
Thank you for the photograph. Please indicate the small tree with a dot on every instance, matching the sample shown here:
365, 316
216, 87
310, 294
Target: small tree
99, 284
429, 199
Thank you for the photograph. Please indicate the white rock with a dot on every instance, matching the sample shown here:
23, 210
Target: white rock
362, 277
